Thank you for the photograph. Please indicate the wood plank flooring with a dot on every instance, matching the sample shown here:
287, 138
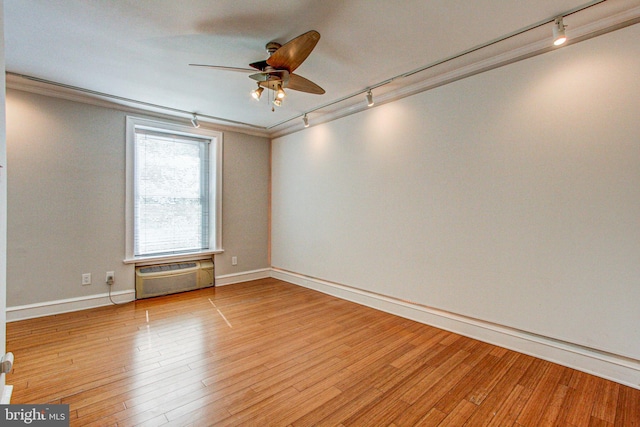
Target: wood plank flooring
268, 353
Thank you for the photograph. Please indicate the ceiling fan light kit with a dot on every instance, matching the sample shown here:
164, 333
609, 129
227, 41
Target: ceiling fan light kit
257, 93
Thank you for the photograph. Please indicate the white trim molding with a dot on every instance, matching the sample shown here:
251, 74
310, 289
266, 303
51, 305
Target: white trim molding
589, 20
7, 391
215, 140
245, 276
602, 17
50, 308
610, 366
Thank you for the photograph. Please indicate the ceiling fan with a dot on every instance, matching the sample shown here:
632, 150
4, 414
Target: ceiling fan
276, 72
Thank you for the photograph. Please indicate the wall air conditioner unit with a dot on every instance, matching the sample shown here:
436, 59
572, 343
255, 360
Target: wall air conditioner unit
155, 280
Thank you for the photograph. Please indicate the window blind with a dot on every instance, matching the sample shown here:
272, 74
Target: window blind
171, 193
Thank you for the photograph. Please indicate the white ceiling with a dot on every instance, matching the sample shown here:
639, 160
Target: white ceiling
140, 49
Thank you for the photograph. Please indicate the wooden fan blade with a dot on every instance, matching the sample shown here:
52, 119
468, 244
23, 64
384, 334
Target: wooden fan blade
220, 67
301, 84
294, 52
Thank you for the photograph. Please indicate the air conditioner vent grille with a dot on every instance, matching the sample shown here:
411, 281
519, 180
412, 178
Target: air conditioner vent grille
168, 267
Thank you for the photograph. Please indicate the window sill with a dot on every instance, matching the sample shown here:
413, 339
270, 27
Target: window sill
191, 256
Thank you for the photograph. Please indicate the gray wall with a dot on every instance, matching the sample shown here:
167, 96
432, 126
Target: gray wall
512, 196
66, 195
245, 203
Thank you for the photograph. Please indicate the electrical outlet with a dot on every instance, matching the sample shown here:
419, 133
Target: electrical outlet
234, 260
86, 279
110, 277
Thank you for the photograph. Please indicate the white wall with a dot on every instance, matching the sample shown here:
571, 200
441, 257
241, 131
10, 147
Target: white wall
511, 197
66, 200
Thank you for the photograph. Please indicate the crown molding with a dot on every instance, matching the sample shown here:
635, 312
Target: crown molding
597, 19
51, 89
498, 54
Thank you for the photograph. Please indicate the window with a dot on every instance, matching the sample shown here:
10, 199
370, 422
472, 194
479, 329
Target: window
173, 190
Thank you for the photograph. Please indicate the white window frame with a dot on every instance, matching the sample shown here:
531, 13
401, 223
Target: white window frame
215, 188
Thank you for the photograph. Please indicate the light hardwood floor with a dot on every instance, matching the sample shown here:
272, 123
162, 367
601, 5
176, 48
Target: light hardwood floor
268, 353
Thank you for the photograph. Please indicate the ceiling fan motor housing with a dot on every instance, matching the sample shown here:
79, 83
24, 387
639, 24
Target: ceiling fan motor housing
272, 47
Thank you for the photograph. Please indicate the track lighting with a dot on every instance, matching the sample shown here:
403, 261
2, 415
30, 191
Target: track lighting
559, 36
194, 121
257, 93
305, 120
369, 98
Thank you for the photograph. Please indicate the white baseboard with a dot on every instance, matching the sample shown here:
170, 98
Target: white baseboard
49, 308
245, 276
606, 365
613, 367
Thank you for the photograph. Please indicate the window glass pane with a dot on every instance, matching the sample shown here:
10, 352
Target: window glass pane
171, 203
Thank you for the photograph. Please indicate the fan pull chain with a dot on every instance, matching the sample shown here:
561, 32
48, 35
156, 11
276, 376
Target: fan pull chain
273, 109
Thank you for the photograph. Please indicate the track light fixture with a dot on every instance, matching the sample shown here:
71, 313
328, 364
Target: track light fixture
194, 121
305, 119
559, 36
257, 93
369, 98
